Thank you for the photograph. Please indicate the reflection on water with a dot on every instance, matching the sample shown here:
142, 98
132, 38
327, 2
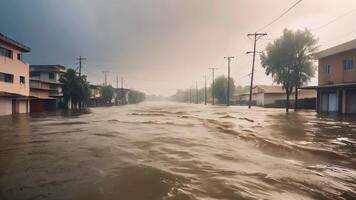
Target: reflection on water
177, 151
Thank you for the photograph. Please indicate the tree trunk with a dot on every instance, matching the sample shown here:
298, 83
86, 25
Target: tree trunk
287, 102
296, 99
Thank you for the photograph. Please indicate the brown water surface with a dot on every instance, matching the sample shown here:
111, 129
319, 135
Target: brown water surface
177, 151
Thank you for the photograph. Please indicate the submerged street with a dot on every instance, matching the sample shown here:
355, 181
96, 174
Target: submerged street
177, 151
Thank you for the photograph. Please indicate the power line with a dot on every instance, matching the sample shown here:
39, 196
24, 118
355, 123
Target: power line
280, 16
333, 20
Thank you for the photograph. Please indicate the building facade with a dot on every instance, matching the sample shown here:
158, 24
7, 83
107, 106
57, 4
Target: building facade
45, 87
14, 77
337, 79
273, 96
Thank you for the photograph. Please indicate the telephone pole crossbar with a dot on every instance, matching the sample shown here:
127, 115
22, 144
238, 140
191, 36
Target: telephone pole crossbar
256, 36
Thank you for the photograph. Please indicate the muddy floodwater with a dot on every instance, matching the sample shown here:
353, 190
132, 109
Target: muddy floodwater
177, 151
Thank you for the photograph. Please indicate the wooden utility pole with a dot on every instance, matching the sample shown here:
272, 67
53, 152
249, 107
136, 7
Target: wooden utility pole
205, 95
190, 95
256, 36
106, 80
212, 89
197, 92
80, 65
228, 80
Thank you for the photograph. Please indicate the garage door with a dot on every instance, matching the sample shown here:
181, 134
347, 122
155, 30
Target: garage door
332, 102
351, 101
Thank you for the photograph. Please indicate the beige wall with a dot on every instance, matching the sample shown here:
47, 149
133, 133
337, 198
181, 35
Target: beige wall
5, 106
337, 74
17, 68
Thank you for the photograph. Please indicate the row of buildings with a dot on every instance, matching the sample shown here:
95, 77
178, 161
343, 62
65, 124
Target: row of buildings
336, 89
28, 88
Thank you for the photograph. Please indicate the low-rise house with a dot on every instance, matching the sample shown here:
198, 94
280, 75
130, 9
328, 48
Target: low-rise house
14, 81
275, 97
45, 87
336, 90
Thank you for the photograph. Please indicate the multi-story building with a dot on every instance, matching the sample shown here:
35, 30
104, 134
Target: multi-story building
337, 79
14, 81
45, 87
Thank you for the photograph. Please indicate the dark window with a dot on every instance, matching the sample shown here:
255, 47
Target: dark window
19, 56
22, 80
6, 52
9, 78
348, 64
51, 75
327, 69
35, 74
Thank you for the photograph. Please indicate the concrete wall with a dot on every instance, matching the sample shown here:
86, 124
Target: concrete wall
5, 106
17, 68
337, 73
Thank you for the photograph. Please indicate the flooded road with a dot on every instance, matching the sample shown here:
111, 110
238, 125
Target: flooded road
177, 151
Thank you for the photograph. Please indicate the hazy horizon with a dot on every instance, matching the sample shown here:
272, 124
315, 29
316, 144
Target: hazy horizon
161, 46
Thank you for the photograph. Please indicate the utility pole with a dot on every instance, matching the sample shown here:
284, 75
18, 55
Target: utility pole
190, 95
228, 80
80, 65
105, 73
256, 37
205, 95
117, 81
212, 89
197, 92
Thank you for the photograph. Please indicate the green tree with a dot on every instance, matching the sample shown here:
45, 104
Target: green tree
220, 88
136, 96
75, 89
106, 94
289, 60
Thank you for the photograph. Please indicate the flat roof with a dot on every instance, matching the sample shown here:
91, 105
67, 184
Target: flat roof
347, 46
14, 43
338, 85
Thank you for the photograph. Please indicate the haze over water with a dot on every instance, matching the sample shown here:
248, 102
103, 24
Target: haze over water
177, 151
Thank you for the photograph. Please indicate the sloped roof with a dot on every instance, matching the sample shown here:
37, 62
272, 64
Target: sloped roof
268, 89
347, 46
14, 43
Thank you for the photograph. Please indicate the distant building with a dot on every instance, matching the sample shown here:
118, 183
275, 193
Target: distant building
275, 97
121, 96
337, 79
14, 81
45, 88
95, 95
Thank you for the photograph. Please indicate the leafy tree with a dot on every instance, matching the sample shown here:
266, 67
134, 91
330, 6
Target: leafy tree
136, 96
75, 89
106, 94
289, 60
220, 88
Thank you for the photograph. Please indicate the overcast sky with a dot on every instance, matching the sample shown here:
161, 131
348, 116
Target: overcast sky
159, 46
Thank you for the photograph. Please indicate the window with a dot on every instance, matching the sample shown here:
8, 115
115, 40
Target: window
6, 52
19, 56
51, 75
35, 74
327, 69
8, 78
22, 80
348, 64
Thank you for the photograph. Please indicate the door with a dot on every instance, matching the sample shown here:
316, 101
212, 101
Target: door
351, 101
332, 107
324, 102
